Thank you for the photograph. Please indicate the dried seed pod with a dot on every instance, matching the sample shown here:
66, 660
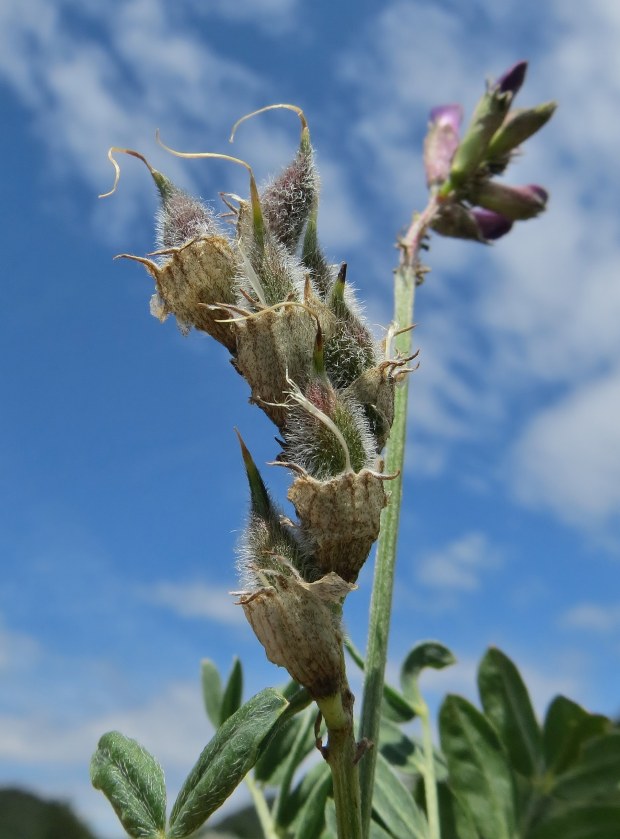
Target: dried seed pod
298, 624
340, 518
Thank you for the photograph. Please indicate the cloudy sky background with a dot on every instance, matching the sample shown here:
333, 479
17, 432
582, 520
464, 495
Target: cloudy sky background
123, 491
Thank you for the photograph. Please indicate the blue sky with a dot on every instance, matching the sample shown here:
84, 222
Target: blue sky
123, 491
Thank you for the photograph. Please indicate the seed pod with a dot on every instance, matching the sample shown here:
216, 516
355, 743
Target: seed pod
340, 518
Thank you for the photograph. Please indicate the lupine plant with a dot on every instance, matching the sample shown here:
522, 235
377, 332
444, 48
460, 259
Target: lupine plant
338, 398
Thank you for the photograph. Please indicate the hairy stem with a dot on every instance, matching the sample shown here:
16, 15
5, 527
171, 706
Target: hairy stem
262, 808
407, 275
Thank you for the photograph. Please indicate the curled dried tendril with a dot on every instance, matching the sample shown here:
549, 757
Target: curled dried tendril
117, 169
294, 108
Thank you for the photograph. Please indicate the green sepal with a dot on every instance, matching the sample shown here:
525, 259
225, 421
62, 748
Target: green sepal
133, 782
224, 762
506, 703
478, 768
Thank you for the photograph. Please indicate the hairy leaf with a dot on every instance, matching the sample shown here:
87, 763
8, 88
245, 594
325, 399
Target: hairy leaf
224, 762
133, 781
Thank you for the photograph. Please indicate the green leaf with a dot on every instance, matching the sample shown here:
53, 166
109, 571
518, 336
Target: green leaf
394, 804
293, 805
233, 692
394, 705
272, 764
454, 817
581, 821
224, 762
478, 770
596, 773
133, 782
404, 753
506, 703
312, 816
211, 690
567, 727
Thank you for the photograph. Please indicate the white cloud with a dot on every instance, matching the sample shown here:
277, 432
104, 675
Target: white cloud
568, 457
594, 617
197, 600
459, 565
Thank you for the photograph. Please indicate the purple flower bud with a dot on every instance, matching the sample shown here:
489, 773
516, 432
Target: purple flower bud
491, 225
441, 142
512, 79
515, 202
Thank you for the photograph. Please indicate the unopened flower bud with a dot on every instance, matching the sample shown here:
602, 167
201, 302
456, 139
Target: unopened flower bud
491, 225
512, 80
486, 120
475, 223
519, 125
340, 518
514, 202
441, 142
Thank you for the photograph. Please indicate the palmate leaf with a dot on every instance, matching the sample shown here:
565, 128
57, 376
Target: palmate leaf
133, 782
595, 775
479, 773
395, 806
224, 762
506, 703
567, 727
579, 821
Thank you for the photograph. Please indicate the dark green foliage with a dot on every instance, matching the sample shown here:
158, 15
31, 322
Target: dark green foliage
24, 815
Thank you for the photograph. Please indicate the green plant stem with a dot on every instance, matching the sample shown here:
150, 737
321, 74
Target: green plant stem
428, 771
407, 275
293, 761
341, 754
262, 809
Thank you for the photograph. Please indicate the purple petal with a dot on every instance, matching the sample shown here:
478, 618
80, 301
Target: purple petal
512, 79
491, 225
447, 115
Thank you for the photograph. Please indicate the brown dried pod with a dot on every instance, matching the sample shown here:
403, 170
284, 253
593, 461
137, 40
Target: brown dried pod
194, 278
298, 625
340, 518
